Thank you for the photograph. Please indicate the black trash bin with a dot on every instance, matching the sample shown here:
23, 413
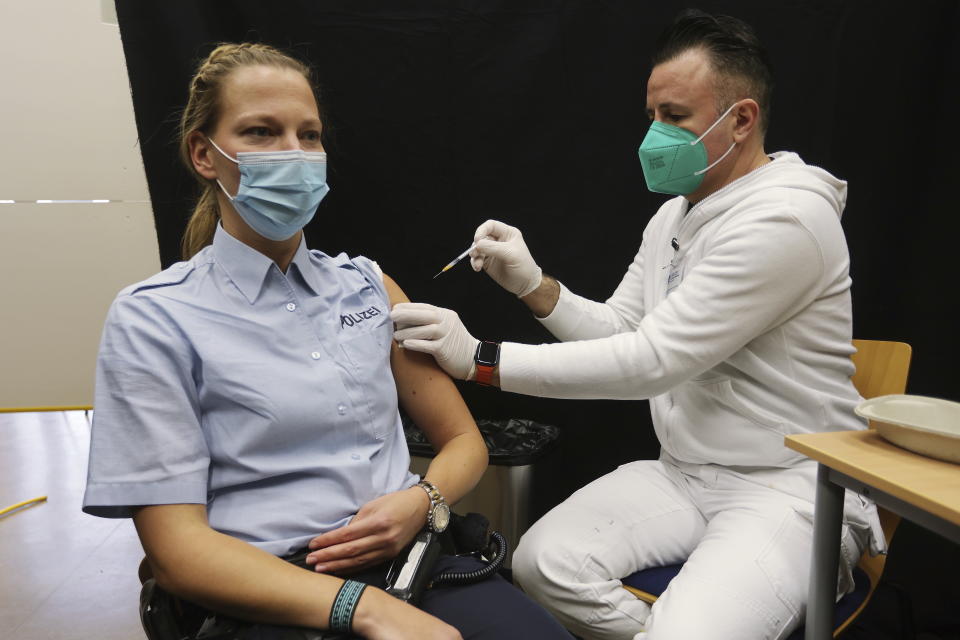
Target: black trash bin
503, 493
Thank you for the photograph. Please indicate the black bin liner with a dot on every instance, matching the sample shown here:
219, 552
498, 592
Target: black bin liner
512, 442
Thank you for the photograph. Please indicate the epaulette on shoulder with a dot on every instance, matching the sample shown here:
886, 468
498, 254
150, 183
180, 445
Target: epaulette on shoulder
174, 274
362, 265
343, 261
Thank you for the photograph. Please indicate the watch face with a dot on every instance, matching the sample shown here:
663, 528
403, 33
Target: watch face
441, 518
488, 354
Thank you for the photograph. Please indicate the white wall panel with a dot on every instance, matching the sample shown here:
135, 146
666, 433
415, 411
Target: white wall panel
62, 265
67, 132
66, 117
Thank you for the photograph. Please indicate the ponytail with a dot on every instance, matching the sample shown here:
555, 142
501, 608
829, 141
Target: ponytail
202, 224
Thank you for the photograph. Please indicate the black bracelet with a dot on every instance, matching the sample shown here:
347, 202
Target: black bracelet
345, 605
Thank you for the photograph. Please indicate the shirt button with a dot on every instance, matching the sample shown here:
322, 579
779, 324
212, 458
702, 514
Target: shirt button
342, 409
315, 355
291, 306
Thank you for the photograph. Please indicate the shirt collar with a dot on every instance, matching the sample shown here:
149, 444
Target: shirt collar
247, 268
304, 264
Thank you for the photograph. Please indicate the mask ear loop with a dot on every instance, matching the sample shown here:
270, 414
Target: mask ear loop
717, 161
234, 161
726, 153
237, 162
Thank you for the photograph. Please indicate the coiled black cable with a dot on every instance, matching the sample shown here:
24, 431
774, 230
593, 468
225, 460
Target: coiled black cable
469, 577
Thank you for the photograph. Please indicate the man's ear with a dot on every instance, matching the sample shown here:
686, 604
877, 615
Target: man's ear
747, 115
201, 155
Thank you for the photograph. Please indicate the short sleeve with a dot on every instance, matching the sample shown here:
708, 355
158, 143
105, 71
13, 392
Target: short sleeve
147, 445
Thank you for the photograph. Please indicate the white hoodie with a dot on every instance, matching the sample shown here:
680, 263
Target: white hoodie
753, 339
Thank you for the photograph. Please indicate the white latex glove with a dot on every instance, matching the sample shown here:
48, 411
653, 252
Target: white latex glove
438, 332
502, 253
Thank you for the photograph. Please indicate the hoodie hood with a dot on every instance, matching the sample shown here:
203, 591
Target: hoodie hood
786, 170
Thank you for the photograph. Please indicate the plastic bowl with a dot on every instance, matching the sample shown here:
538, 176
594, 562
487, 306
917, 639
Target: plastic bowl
928, 426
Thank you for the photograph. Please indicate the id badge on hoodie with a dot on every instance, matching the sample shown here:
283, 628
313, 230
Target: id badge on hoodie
675, 274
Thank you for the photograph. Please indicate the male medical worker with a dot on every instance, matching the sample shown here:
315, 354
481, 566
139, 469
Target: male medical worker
735, 321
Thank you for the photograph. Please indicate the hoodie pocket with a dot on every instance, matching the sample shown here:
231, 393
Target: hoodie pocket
747, 409
714, 424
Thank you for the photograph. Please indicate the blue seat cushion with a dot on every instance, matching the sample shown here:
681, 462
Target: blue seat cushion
655, 581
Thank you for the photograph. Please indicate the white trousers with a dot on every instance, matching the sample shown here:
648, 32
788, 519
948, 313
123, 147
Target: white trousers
745, 538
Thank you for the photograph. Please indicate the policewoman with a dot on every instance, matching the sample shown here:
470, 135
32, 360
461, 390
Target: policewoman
247, 398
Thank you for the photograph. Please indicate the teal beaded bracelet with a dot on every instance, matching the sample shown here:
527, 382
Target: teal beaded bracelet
345, 605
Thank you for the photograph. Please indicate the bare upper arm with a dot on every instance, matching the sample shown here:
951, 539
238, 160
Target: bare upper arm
163, 528
160, 520
425, 392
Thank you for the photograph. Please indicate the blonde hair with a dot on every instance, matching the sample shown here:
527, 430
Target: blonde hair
201, 113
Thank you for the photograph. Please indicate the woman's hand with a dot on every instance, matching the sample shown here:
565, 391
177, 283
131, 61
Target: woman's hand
382, 617
379, 531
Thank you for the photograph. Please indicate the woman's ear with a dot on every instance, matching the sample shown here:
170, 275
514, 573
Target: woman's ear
747, 115
201, 155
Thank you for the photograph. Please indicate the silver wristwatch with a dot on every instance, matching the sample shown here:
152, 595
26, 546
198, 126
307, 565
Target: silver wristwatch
439, 515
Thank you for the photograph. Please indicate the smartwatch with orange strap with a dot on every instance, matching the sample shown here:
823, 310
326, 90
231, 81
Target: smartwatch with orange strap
486, 358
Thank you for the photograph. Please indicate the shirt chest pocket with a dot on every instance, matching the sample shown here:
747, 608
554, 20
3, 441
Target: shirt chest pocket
371, 386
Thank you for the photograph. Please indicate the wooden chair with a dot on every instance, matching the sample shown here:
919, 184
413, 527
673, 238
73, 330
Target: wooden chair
881, 369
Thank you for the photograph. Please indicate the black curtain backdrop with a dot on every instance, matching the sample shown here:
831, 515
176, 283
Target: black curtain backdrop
444, 114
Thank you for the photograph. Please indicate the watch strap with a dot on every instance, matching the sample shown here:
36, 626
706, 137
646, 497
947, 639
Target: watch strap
484, 375
486, 365
436, 498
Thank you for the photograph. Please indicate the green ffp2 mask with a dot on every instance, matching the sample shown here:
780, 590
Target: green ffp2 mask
674, 159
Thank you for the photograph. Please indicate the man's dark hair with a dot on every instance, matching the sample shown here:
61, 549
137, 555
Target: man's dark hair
738, 58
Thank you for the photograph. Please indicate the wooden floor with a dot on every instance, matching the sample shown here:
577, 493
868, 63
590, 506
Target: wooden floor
64, 575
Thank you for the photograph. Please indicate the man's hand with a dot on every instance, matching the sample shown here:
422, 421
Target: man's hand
502, 253
438, 332
379, 531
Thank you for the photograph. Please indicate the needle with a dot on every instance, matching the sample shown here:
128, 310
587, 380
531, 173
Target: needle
460, 257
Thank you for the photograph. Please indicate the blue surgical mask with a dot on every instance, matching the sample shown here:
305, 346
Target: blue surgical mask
674, 159
279, 190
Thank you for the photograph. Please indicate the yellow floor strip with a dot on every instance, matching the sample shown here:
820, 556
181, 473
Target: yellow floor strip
22, 504
35, 409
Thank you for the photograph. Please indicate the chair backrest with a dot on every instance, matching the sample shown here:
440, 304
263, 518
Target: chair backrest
882, 367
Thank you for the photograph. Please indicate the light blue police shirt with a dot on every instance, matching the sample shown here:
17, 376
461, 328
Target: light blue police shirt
267, 397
